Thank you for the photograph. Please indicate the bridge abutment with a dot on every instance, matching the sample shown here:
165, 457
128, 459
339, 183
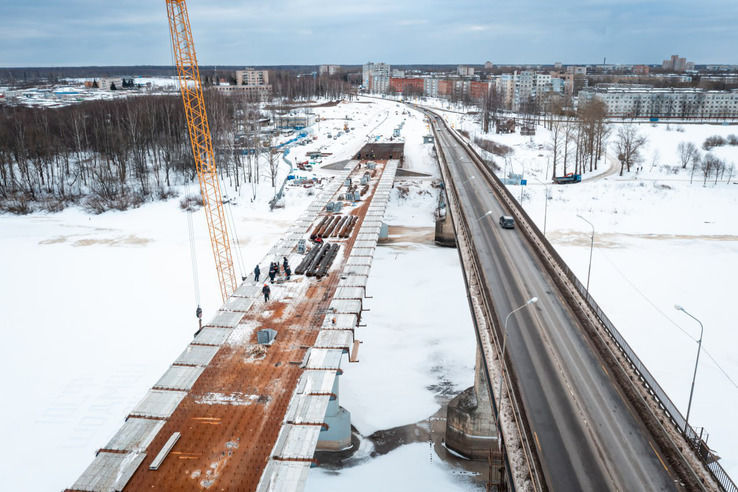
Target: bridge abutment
470, 425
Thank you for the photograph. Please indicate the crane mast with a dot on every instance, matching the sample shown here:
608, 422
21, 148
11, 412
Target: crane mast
202, 145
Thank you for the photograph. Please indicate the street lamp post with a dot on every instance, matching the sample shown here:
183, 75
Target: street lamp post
488, 212
694, 377
591, 247
532, 300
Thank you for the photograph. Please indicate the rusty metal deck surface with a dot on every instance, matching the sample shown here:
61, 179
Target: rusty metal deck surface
231, 417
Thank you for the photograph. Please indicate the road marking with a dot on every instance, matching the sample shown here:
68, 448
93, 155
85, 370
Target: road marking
539, 442
659, 457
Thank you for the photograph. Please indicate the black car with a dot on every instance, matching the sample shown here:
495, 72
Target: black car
507, 222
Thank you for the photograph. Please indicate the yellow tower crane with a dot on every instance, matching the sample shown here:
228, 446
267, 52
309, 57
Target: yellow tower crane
202, 144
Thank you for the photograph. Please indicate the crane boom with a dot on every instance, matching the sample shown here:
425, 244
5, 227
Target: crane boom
202, 144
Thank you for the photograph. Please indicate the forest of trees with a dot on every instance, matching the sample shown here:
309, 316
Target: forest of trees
578, 140
113, 154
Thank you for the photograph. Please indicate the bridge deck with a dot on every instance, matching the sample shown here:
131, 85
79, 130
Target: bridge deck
227, 395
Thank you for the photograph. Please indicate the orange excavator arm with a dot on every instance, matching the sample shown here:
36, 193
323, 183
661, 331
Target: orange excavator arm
202, 144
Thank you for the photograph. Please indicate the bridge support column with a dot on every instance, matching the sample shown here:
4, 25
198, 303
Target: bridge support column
470, 425
445, 232
337, 435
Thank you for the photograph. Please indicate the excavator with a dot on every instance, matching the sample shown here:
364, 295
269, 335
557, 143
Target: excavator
198, 127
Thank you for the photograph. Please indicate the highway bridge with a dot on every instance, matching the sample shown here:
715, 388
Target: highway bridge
577, 410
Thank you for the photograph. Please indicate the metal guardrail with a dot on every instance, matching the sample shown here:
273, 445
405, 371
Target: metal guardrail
535, 479
656, 391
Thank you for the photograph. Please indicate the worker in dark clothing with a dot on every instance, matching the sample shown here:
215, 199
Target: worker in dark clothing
257, 272
287, 271
198, 313
285, 263
266, 291
273, 272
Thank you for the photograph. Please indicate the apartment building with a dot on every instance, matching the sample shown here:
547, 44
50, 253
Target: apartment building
329, 69
252, 77
648, 102
465, 71
519, 88
376, 72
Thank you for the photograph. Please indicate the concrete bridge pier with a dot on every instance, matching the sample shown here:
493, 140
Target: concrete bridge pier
445, 232
470, 425
336, 434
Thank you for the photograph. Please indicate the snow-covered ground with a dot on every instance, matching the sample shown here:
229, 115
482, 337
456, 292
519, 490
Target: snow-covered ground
418, 344
413, 466
95, 308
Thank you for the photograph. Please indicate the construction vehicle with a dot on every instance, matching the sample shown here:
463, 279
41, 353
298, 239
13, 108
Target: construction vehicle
190, 87
568, 178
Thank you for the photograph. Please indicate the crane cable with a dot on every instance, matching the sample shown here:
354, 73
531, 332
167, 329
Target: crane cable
193, 256
190, 226
234, 238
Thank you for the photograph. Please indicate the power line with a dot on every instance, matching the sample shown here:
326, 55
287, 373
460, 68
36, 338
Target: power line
657, 309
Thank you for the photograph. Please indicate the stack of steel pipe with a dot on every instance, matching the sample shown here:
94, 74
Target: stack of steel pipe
313, 266
305, 263
339, 226
348, 226
331, 225
325, 263
317, 228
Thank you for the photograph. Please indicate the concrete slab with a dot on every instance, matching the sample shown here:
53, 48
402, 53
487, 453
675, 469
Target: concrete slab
135, 435
179, 378
158, 403
109, 471
197, 355
225, 319
212, 336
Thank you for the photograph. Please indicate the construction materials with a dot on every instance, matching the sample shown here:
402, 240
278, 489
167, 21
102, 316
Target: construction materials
164, 451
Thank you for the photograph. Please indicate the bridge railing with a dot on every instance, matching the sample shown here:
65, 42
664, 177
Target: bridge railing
657, 392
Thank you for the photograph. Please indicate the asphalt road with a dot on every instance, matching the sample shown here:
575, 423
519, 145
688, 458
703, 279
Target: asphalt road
587, 436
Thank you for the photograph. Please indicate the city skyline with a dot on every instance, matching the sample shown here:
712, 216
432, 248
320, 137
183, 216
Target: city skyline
297, 32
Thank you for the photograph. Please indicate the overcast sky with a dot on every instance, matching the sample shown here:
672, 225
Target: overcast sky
305, 32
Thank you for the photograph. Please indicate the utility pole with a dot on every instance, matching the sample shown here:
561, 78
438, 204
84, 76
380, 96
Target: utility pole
694, 377
591, 247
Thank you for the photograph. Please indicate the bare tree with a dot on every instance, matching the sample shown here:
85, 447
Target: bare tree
686, 150
628, 144
273, 161
557, 141
696, 162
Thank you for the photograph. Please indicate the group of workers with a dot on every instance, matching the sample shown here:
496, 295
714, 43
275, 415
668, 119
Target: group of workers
273, 272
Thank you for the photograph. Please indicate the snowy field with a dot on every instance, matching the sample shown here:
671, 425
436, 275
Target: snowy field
418, 345
96, 307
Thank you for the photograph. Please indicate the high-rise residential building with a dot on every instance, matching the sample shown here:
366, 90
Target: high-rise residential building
329, 69
520, 88
465, 71
677, 64
375, 76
